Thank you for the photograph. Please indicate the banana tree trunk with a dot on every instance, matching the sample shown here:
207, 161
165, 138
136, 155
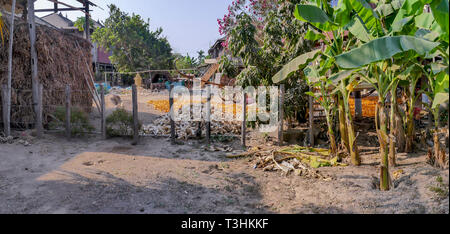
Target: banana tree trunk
399, 131
438, 156
354, 152
331, 136
384, 149
342, 124
393, 127
409, 148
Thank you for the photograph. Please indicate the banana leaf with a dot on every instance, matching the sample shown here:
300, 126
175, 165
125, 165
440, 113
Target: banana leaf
356, 28
383, 48
368, 15
440, 12
315, 16
296, 64
439, 99
408, 9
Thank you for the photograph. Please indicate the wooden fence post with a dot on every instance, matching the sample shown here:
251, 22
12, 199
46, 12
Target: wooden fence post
135, 116
34, 60
7, 89
103, 111
68, 109
244, 118
208, 114
281, 115
358, 105
311, 119
39, 126
6, 108
172, 114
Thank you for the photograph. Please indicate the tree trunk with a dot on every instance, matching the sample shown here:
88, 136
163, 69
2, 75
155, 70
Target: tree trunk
399, 131
384, 149
409, 148
343, 125
331, 136
354, 152
393, 127
437, 156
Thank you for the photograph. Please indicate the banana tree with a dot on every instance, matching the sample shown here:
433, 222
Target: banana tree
327, 25
345, 84
438, 91
377, 55
326, 100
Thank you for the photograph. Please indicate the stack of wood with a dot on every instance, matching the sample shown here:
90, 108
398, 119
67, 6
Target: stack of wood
63, 59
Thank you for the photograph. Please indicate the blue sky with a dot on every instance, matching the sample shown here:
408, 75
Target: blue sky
189, 25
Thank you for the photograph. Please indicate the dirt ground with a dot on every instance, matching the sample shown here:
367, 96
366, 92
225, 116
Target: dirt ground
91, 175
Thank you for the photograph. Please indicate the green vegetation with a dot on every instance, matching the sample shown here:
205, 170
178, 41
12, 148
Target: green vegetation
79, 121
120, 123
383, 47
441, 189
81, 22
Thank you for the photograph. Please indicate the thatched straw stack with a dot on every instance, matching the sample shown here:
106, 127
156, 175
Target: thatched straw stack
62, 59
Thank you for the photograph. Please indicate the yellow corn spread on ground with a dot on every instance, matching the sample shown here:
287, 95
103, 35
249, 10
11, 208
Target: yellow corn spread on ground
163, 105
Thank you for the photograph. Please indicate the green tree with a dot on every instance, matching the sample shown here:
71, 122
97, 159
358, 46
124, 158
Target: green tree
81, 22
185, 62
134, 47
266, 35
201, 57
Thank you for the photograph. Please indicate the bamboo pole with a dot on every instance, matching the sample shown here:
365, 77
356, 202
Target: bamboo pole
7, 97
92, 89
68, 114
6, 101
172, 122
208, 114
135, 116
244, 119
281, 115
103, 111
39, 126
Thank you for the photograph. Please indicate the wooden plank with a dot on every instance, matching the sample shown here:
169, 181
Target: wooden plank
172, 122
68, 110
103, 113
59, 9
6, 107
87, 29
281, 115
244, 119
39, 126
135, 115
208, 114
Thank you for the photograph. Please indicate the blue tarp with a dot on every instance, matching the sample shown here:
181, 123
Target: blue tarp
105, 85
175, 84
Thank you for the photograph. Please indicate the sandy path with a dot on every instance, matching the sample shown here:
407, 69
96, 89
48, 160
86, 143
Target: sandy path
54, 175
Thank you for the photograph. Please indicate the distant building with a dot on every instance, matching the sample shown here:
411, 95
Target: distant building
216, 50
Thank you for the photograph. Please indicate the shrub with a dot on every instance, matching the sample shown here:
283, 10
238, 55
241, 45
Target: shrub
120, 123
79, 121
